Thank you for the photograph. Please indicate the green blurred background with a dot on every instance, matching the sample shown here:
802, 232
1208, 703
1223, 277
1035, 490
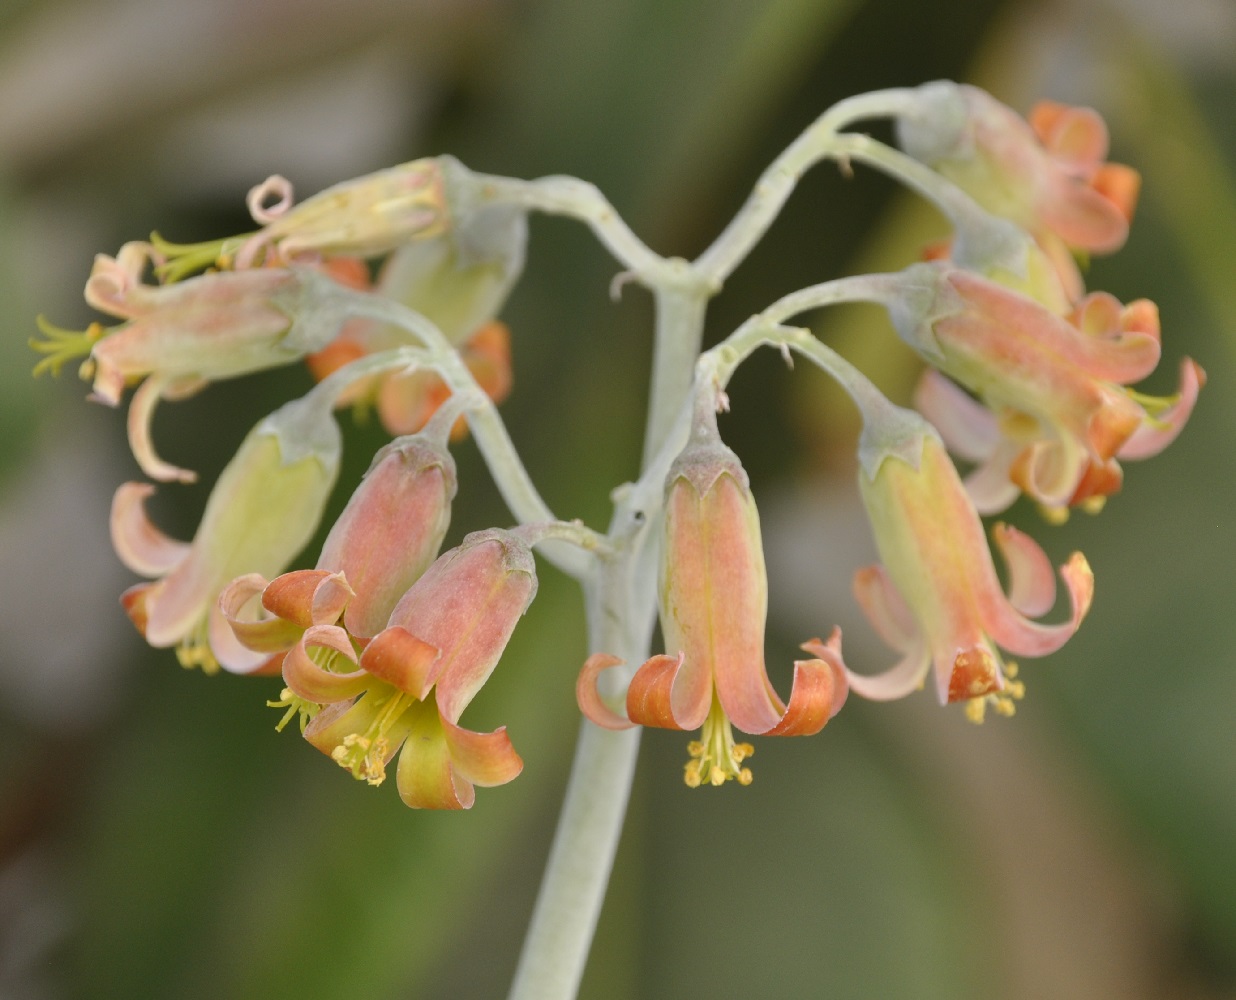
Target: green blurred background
158, 839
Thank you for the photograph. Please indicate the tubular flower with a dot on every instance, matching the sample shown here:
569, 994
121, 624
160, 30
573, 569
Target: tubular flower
265, 506
937, 599
714, 599
459, 282
179, 337
389, 532
363, 217
409, 684
1048, 175
1056, 414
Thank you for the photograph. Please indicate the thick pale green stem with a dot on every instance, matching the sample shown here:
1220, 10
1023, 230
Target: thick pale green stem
577, 874
680, 329
621, 606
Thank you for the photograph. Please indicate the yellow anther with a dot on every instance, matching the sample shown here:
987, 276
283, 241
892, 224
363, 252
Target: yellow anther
1092, 505
194, 651
1003, 701
1054, 516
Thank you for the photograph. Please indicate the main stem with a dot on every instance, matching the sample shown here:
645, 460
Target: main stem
621, 610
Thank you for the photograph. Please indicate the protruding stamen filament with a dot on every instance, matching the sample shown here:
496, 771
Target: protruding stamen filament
296, 706
62, 346
179, 260
716, 758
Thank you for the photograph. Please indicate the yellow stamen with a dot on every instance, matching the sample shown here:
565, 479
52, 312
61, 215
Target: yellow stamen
1054, 516
715, 757
194, 650
295, 705
365, 754
1003, 701
62, 346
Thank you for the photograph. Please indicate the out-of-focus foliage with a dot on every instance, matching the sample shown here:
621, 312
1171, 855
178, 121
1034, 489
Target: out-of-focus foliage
158, 839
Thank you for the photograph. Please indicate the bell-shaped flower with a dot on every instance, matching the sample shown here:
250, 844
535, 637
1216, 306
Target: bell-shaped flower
714, 600
262, 511
174, 339
936, 598
1048, 175
459, 282
1056, 414
408, 685
386, 537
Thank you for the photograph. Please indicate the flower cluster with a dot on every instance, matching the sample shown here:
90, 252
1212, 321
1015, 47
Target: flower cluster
385, 642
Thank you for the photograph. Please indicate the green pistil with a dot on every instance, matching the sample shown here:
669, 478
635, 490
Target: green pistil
62, 346
183, 259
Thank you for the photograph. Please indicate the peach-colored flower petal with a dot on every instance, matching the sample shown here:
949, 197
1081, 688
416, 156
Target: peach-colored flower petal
1032, 583
485, 759
1156, 434
903, 677
311, 681
819, 684
966, 426
651, 697
1013, 631
589, 697
141, 410
308, 597
141, 546
264, 635
231, 654
398, 657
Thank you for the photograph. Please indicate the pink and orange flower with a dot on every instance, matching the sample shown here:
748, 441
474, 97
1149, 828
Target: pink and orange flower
174, 339
363, 698
1056, 414
714, 600
936, 598
1049, 174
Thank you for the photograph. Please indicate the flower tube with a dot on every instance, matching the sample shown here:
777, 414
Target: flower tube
936, 598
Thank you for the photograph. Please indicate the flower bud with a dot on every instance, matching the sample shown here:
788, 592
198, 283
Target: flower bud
391, 529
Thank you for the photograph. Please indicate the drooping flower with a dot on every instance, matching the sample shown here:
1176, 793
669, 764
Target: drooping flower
388, 534
714, 598
1056, 414
936, 598
408, 685
262, 511
174, 339
1048, 175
